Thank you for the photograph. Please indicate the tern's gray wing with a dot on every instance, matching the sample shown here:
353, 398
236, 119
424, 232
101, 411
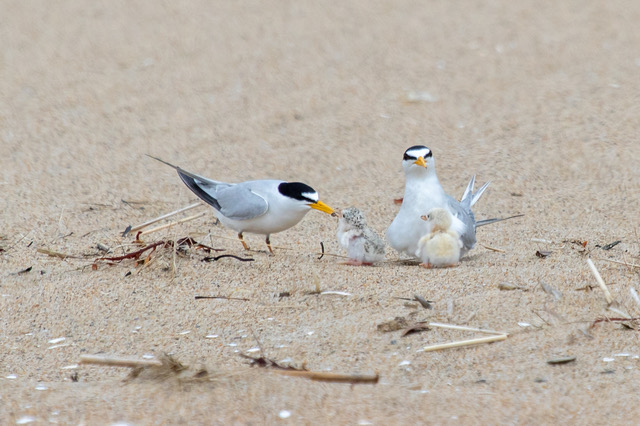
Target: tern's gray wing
238, 202
234, 201
467, 217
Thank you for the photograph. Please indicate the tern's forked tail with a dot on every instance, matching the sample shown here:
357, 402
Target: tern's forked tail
469, 198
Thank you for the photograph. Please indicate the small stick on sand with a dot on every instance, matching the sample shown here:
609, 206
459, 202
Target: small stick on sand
463, 328
170, 224
223, 297
603, 286
493, 248
57, 254
632, 265
331, 377
461, 343
164, 216
112, 361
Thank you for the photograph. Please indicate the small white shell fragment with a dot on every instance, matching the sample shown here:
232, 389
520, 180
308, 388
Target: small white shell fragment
12, 376
25, 420
421, 97
232, 344
182, 333
253, 350
57, 340
524, 324
41, 387
210, 336
607, 359
405, 362
363, 422
337, 293
69, 367
284, 414
148, 356
61, 345
309, 333
623, 354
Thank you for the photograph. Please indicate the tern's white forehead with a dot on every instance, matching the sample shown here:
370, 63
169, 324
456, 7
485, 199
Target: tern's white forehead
416, 152
311, 196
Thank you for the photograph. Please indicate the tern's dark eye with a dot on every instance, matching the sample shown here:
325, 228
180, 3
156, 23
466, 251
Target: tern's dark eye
408, 157
428, 154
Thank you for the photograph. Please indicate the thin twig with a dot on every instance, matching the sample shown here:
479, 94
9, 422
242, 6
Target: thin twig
214, 258
493, 248
112, 361
57, 254
461, 343
463, 328
632, 265
222, 297
170, 224
322, 376
164, 216
603, 286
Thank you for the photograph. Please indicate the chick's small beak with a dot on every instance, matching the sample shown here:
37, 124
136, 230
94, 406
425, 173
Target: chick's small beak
319, 205
423, 217
420, 162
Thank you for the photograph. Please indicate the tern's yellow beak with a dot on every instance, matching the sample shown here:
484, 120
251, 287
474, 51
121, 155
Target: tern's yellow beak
319, 205
420, 162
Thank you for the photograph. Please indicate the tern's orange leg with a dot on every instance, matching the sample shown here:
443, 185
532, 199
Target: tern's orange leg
246, 247
268, 241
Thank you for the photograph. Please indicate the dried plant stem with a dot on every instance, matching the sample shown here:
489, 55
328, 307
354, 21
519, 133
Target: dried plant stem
461, 343
463, 328
331, 377
632, 265
170, 224
492, 248
164, 216
112, 361
603, 286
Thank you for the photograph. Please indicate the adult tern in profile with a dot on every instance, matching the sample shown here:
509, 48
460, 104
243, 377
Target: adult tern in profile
258, 206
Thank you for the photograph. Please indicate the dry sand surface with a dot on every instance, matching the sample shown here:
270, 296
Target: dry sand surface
540, 98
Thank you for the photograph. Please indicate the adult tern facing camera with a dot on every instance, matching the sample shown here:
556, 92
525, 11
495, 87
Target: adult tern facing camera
423, 192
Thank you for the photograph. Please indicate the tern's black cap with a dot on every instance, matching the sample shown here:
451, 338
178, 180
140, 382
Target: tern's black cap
298, 191
410, 153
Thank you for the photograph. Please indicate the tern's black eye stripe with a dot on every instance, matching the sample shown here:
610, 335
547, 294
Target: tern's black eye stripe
408, 157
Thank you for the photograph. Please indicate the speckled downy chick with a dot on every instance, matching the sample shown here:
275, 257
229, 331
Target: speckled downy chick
440, 248
364, 246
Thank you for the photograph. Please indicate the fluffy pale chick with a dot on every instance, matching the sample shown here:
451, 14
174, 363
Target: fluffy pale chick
440, 248
258, 206
423, 192
364, 246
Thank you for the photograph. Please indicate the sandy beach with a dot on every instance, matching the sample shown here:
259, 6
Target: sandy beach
540, 98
